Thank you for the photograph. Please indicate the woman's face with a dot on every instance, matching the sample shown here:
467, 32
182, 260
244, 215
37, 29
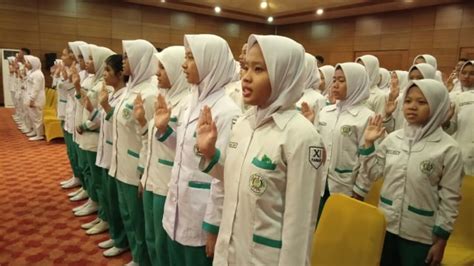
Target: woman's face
466, 76
110, 77
415, 107
90, 65
67, 57
190, 68
322, 85
420, 60
339, 86
163, 80
415, 74
256, 87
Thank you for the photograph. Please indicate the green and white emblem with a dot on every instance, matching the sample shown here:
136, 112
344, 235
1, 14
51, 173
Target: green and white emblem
427, 167
257, 184
126, 113
346, 130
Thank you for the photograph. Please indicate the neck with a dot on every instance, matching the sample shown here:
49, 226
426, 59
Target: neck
119, 85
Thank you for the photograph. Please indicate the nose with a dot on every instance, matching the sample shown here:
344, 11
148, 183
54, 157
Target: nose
184, 66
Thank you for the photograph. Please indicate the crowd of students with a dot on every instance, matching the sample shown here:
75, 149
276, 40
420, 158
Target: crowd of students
189, 157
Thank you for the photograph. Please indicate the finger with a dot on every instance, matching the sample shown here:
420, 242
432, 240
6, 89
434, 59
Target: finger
370, 121
429, 258
208, 115
201, 120
214, 127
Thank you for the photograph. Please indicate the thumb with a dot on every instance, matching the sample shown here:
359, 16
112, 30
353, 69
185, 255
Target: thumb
429, 258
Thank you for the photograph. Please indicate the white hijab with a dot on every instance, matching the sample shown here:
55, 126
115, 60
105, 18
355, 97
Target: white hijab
35, 63
438, 99
328, 73
99, 54
215, 64
172, 58
285, 61
429, 59
74, 46
463, 66
426, 70
371, 64
357, 84
311, 73
402, 79
384, 83
143, 63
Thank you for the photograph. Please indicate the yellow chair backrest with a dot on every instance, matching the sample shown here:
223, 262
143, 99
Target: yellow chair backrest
350, 232
49, 97
463, 231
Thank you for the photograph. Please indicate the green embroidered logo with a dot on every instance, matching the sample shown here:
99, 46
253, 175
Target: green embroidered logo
126, 113
264, 163
257, 184
346, 130
427, 167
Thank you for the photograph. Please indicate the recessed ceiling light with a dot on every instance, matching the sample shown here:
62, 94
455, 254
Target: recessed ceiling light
270, 19
320, 11
263, 4
163, 1
217, 9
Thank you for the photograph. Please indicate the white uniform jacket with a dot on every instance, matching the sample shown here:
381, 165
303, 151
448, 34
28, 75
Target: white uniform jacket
104, 145
420, 194
462, 128
127, 133
376, 101
272, 178
342, 134
194, 200
159, 157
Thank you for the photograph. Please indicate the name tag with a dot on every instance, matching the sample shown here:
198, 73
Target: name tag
233, 145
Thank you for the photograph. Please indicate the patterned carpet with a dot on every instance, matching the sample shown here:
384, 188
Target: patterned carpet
37, 226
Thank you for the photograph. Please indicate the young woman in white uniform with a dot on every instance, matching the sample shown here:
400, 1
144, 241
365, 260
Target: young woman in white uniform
35, 95
422, 170
376, 101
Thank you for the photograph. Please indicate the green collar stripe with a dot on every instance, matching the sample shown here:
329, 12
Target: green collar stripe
214, 161
420, 211
108, 142
174, 119
198, 184
367, 151
133, 154
267, 241
343, 171
62, 101
129, 106
95, 114
110, 114
166, 162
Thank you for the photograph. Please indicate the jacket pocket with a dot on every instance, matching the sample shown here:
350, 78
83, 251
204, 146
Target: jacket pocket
422, 212
265, 251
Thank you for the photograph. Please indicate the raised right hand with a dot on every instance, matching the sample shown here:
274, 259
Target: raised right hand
103, 96
162, 114
373, 131
390, 106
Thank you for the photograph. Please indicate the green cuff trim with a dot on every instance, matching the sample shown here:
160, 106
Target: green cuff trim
133, 154
110, 114
144, 133
386, 201
95, 114
194, 135
298, 109
84, 126
174, 119
214, 161
213, 229
129, 106
62, 101
420, 211
343, 171
165, 136
166, 162
361, 189
441, 233
367, 151
264, 163
72, 88
108, 142
198, 184
78, 96
267, 241
140, 169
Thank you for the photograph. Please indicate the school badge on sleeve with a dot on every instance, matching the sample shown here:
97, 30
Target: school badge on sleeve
126, 113
427, 167
257, 184
316, 156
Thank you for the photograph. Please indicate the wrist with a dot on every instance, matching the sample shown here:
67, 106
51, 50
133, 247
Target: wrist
141, 121
368, 144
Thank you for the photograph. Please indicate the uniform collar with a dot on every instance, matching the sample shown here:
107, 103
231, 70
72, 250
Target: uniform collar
281, 118
419, 146
353, 110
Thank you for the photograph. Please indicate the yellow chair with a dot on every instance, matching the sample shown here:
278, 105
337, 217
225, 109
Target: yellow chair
52, 125
460, 248
350, 232
374, 194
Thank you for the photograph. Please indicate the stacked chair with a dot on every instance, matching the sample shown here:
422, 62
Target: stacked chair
52, 125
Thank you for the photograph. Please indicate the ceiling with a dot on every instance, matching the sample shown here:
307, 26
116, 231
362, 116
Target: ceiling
290, 11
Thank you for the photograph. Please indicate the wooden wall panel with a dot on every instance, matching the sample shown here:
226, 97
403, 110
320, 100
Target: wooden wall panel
441, 31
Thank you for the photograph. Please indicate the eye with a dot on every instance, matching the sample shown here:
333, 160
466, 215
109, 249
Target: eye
259, 69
